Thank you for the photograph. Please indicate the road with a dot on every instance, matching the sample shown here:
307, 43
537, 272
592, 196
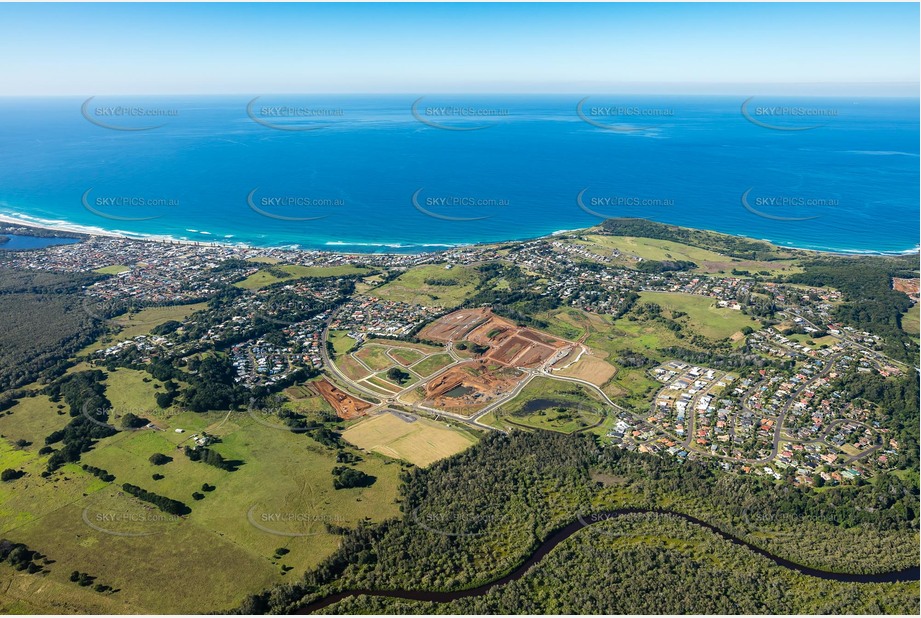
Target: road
530, 374
474, 420
394, 399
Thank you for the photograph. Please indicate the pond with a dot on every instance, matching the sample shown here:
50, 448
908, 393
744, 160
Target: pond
536, 405
459, 391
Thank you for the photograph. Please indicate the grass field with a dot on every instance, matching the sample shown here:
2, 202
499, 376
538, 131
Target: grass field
112, 270
640, 336
282, 473
574, 324
406, 356
383, 385
380, 387
351, 367
649, 248
374, 357
499, 423
32, 419
414, 396
409, 381
128, 392
703, 316
432, 364
660, 250
537, 406
817, 342
567, 420
420, 442
379, 355
623, 335
411, 286
421, 347
633, 387
341, 341
302, 400
911, 321
141, 322
263, 278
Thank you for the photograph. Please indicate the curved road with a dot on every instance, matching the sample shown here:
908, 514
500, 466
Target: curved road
474, 419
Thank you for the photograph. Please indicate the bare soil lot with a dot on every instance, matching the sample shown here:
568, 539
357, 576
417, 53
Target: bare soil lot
345, 405
470, 385
509, 345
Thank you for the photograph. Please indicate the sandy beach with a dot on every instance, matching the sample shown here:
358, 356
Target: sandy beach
64, 226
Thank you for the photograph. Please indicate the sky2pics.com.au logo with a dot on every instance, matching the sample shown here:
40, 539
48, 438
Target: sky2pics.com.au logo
449, 206
293, 208
126, 117
128, 207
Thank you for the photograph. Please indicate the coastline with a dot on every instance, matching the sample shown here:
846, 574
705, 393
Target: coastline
85, 230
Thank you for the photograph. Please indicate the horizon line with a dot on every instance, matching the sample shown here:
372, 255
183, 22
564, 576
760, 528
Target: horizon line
420, 92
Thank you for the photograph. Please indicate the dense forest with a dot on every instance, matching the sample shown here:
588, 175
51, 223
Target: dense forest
656, 565
654, 266
211, 384
899, 397
871, 303
469, 519
39, 232
43, 323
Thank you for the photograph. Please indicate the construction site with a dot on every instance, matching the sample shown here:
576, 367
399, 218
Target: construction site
509, 345
509, 349
346, 406
468, 387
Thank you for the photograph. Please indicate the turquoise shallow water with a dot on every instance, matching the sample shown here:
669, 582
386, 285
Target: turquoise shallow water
388, 174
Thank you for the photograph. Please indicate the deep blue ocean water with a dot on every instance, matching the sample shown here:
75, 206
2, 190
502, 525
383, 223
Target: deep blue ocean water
373, 175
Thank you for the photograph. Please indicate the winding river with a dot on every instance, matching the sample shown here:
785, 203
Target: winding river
904, 575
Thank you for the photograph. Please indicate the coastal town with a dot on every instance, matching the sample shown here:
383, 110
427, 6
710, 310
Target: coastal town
791, 420
460, 309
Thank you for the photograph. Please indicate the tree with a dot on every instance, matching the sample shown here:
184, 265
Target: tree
210, 457
167, 505
397, 375
346, 478
165, 400
11, 475
132, 421
166, 328
159, 459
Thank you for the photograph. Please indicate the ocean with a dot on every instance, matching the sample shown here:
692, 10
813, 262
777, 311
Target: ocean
413, 173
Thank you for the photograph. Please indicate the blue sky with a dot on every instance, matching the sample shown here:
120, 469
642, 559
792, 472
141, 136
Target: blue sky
77, 49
